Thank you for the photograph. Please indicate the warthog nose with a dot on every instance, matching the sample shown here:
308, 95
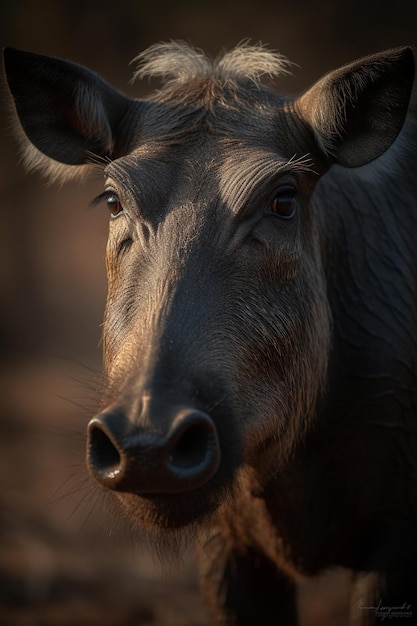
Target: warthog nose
124, 457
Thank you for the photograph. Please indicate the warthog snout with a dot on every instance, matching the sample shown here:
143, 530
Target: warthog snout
126, 457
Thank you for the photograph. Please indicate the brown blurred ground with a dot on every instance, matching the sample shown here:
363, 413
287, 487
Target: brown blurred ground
55, 569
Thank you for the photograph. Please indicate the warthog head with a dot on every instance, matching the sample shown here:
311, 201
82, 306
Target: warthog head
217, 326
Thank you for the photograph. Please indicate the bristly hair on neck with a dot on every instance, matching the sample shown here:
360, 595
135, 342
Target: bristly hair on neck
177, 62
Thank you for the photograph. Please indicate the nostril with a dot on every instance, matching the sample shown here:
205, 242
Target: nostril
127, 458
104, 457
193, 450
190, 449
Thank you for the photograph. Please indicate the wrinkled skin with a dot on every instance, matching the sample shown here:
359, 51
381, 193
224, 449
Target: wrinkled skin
261, 319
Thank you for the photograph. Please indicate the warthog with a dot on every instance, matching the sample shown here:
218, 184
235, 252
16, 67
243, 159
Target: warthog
261, 323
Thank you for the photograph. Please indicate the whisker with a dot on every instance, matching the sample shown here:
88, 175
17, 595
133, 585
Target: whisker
86, 498
53, 497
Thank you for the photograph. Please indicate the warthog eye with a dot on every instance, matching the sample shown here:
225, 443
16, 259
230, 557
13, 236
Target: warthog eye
284, 205
114, 204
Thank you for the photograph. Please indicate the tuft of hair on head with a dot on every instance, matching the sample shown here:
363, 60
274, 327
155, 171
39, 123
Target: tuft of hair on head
178, 62
252, 62
174, 61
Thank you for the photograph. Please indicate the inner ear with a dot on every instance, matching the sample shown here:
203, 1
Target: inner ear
374, 113
357, 112
66, 111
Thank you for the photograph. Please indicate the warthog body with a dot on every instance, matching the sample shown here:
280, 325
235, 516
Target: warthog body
261, 324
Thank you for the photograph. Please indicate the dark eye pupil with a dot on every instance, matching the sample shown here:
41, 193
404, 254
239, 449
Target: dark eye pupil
114, 205
285, 203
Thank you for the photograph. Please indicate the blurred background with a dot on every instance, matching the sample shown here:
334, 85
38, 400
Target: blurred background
58, 564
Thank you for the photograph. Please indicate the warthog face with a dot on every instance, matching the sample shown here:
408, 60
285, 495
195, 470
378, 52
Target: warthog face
216, 325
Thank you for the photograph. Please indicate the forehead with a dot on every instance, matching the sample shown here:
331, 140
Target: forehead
213, 109
208, 125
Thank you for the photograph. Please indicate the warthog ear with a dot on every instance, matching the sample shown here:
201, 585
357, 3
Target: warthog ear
357, 111
66, 112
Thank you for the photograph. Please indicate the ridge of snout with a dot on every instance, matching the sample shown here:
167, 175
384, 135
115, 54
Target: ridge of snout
128, 458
